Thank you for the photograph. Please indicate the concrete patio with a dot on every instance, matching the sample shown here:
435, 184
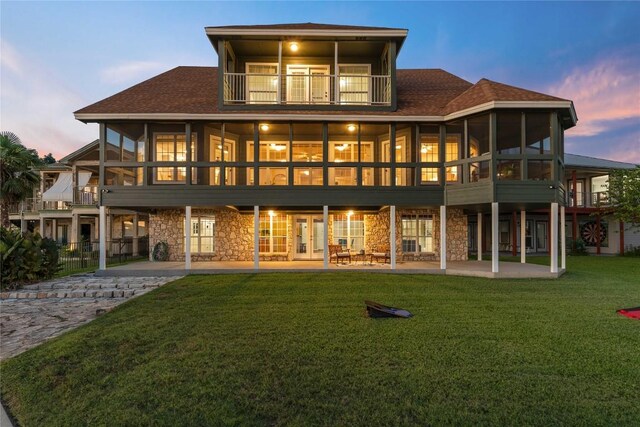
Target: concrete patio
508, 270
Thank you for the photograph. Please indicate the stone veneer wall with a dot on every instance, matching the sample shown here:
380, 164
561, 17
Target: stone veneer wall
234, 234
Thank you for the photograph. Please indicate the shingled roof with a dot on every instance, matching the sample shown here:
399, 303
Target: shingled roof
486, 91
421, 92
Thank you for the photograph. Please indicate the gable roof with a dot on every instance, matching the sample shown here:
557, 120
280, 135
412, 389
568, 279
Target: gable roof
94, 145
486, 91
576, 160
192, 91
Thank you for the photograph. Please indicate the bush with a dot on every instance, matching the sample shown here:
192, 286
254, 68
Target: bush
577, 247
633, 251
26, 258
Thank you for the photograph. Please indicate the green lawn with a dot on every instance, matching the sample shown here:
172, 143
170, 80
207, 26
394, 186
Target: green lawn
295, 349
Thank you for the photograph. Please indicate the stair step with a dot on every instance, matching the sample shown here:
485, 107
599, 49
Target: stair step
76, 293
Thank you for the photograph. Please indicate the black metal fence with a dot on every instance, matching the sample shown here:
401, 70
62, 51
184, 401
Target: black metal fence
86, 255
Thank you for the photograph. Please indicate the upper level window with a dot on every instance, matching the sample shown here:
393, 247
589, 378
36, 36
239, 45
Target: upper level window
262, 83
354, 83
509, 132
538, 133
478, 129
172, 147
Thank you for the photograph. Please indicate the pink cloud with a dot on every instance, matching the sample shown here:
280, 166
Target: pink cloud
604, 91
38, 107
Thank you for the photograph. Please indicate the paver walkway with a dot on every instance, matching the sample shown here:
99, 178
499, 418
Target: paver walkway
42, 311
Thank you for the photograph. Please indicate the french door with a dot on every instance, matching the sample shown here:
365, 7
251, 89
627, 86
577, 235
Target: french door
308, 84
309, 237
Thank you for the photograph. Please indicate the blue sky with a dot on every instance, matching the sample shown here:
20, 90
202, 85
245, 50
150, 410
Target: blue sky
57, 57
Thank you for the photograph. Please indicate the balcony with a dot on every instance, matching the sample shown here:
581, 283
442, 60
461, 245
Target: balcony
85, 196
597, 199
307, 88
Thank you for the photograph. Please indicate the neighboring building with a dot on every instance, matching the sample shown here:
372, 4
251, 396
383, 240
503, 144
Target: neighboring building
307, 135
65, 207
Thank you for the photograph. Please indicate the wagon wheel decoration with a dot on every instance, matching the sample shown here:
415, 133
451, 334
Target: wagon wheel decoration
589, 233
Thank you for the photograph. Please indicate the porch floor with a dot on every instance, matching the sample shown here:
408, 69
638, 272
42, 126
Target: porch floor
454, 268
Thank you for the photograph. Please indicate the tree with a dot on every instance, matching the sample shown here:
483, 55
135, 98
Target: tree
48, 159
624, 194
18, 176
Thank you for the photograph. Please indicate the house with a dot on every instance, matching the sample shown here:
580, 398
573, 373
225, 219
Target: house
65, 208
307, 135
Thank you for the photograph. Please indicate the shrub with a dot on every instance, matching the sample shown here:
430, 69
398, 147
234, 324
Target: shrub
633, 251
26, 258
577, 247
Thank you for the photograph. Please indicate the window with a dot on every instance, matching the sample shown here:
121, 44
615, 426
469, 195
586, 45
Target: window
354, 83
430, 148
348, 231
452, 153
508, 169
202, 235
172, 147
509, 132
478, 128
504, 238
262, 83
539, 170
273, 233
538, 133
417, 233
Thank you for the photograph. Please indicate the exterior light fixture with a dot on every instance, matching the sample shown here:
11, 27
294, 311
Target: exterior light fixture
264, 127
272, 214
294, 47
349, 213
351, 128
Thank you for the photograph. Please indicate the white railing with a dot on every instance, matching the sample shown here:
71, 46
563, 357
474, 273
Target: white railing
300, 89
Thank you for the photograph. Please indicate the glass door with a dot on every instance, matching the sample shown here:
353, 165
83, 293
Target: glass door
309, 237
308, 84
541, 236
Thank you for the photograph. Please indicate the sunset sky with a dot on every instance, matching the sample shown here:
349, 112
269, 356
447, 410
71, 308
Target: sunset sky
59, 57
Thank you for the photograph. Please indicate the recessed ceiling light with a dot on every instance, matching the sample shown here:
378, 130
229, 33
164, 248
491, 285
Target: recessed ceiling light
264, 127
294, 47
351, 128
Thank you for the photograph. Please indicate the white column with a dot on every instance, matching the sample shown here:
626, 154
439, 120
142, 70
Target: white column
103, 238
392, 236
41, 226
23, 225
523, 237
256, 237
553, 239
187, 238
563, 240
74, 228
325, 225
54, 229
479, 242
136, 248
495, 255
443, 237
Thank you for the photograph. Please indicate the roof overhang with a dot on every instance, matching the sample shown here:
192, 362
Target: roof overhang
215, 33
265, 116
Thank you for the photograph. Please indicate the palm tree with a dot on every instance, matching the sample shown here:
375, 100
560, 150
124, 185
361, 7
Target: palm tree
18, 176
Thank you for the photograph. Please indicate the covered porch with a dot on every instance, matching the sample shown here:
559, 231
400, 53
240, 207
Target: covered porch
509, 270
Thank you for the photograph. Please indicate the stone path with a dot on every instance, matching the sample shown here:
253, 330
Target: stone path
42, 311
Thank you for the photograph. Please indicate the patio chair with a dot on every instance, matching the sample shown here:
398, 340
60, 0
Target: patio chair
336, 251
381, 252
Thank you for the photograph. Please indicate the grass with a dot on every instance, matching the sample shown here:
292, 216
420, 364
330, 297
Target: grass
295, 349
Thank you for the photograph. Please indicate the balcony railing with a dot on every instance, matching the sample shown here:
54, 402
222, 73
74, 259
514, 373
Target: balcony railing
306, 89
86, 196
588, 199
